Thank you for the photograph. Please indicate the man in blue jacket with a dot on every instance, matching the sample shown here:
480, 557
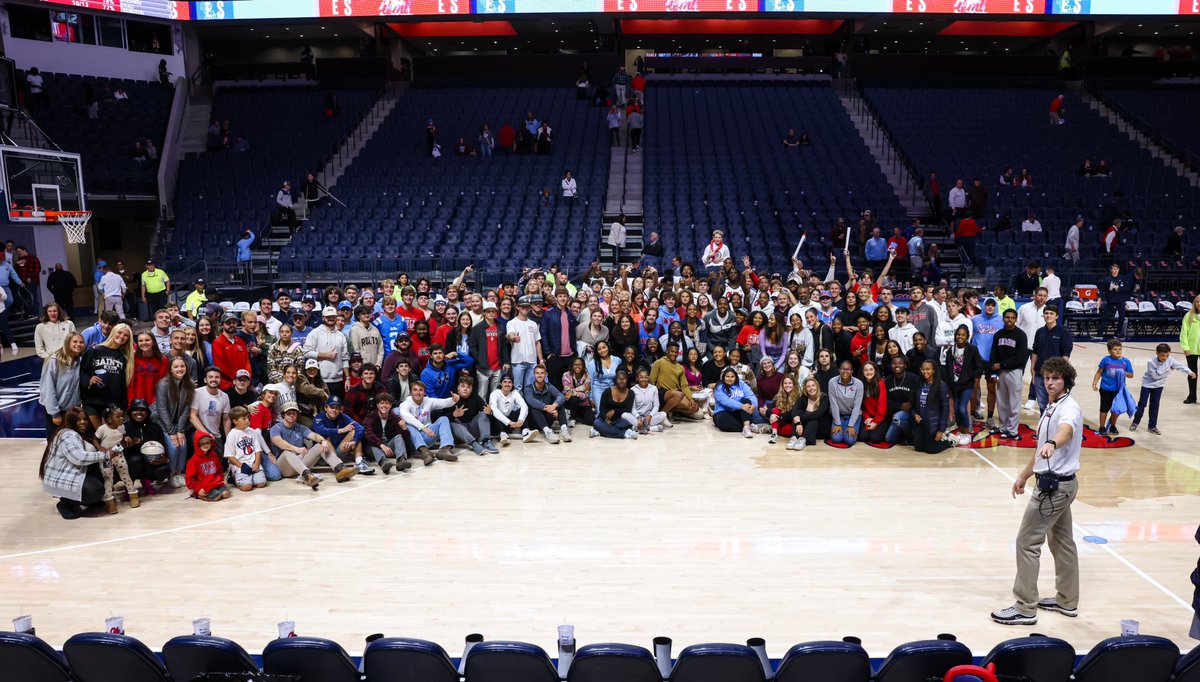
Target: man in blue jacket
343, 433
558, 337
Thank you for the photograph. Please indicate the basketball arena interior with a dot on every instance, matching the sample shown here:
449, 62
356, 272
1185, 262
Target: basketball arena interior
599, 340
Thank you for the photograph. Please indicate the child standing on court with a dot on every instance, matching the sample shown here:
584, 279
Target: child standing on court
110, 437
1157, 369
1110, 378
244, 449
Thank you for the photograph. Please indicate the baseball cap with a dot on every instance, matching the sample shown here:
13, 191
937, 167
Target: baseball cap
242, 374
308, 298
825, 294
524, 300
345, 305
149, 261
102, 264
229, 316
329, 311
290, 406
488, 305
198, 281
311, 363
333, 401
274, 388
139, 404
439, 299
402, 335
356, 357
299, 313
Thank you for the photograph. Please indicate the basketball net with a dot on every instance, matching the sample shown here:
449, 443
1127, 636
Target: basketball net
75, 223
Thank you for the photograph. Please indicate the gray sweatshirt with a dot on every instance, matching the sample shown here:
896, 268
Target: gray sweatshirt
845, 400
59, 388
1157, 372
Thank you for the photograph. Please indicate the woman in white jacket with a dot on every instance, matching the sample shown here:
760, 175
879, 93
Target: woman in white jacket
508, 409
616, 239
51, 331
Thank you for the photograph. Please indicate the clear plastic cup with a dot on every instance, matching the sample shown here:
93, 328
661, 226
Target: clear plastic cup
202, 627
1129, 627
287, 629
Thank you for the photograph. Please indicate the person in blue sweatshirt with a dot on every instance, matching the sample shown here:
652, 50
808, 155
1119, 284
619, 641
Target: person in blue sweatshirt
243, 246
343, 433
985, 325
737, 406
438, 375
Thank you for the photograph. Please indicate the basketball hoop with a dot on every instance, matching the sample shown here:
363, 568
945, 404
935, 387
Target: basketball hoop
74, 222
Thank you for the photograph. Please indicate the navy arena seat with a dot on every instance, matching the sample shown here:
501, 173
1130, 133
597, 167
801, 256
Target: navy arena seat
717, 663
312, 659
824, 662
399, 659
1041, 659
188, 656
1188, 667
607, 662
28, 659
104, 657
918, 661
1144, 658
502, 661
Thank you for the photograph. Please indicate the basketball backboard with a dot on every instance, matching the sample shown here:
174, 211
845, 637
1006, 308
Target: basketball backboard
38, 180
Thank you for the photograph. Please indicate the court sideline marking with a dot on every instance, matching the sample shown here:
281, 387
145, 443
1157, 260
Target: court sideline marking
1107, 548
201, 524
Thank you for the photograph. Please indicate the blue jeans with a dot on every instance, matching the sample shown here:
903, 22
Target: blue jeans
177, 456
616, 429
962, 410
521, 371
843, 436
444, 437
399, 449
900, 429
270, 468
1039, 389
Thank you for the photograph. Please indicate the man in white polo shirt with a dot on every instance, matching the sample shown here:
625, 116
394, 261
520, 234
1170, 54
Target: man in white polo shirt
1048, 514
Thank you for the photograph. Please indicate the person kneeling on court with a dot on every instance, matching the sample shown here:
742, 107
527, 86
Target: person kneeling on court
845, 405
290, 441
417, 411
385, 436
737, 407
1048, 514
244, 450
205, 476
343, 433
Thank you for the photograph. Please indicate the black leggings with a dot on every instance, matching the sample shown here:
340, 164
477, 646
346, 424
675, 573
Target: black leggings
582, 414
875, 435
1192, 365
923, 441
816, 429
93, 486
730, 421
139, 468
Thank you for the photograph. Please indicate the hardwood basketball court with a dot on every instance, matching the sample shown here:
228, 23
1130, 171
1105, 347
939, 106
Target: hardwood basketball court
693, 534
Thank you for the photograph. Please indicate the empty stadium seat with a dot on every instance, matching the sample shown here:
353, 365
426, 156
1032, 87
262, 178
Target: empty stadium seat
312, 659
1188, 667
1144, 658
105, 657
502, 661
824, 662
608, 662
1040, 659
717, 663
399, 659
918, 661
26, 658
190, 655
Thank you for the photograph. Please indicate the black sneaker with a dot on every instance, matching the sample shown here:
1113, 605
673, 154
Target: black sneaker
1155, 431
1189, 401
1011, 616
1052, 604
67, 509
1112, 430
1133, 426
387, 464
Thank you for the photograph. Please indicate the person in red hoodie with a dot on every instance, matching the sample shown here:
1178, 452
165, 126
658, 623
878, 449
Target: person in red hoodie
967, 236
229, 351
874, 408
506, 137
860, 343
205, 476
149, 366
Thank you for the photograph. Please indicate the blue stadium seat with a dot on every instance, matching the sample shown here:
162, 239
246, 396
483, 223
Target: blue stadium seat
26, 658
1041, 659
717, 663
1144, 658
1188, 667
190, 655
312, 659
918, 661
825, 661
104, 657
609, 662
502, 661
398, 659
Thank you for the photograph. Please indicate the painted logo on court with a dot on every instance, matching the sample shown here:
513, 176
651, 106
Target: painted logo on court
1026, 438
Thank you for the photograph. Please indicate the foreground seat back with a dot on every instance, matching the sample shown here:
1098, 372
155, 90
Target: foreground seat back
502, 661
191, 655
608, 662
918, 661
1040, 659
824, 662
399, 659
312, 659
26, 658
104, 657
1144, 658
717, 663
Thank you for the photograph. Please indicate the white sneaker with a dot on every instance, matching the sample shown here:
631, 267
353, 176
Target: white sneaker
747, 431
527, 435
550, 437
791, 443
593, 433
631, 434
763, 428
178, 481
565, 433
1031, 405
571, 423
964, 439
657, 428
14, 347
800, 443
503, 439
667, 423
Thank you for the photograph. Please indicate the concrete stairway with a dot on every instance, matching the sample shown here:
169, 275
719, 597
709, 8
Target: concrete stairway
362, 134
1157, 151
873, 135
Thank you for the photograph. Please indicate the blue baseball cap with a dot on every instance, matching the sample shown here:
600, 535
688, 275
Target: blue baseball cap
333, 401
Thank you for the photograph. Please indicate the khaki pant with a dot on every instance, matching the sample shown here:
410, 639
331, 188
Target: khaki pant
1049, 521
292, 465
1008, 400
